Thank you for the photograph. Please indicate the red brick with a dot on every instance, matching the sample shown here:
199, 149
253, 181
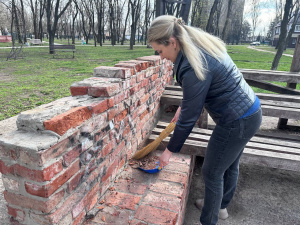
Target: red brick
110, 170
79, 219
48, 189
5, 169
164, 201
140, 76
144, 114
122, 200
112, 72
132, 81
119, 98
107, 149
166, 187
104, 90
62, 123
86, 200
16, 213
111, 113
39, 175
126, 131
134, 68
178, 167
75, 91
56, 150
143, 64
112, 216
75, 181
71, 155
121, 116
40, 205
65, 208
144, 98
153, 60
137, 222
99, 107
155, 215
118, 149
132, 187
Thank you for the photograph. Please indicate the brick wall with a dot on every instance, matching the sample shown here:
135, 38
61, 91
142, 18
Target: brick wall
64, 155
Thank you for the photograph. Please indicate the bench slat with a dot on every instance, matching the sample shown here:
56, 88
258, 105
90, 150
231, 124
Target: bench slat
280, 111
251, 144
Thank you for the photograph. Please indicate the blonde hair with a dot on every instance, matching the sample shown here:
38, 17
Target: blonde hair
190, 40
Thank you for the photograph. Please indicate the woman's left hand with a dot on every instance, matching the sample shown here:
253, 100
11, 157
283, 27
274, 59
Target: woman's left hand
164, 158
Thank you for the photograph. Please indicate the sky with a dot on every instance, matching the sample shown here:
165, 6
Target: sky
266, 15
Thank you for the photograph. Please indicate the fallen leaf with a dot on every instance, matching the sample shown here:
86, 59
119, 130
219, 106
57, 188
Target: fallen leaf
103, 218
102, 201
100, 207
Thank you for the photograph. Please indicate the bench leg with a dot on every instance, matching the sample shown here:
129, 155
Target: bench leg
282, 123
203, 119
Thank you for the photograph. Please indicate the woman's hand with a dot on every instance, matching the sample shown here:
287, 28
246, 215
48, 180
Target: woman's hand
164, 158
175, 118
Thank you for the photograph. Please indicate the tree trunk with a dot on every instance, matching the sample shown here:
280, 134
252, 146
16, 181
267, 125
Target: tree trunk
290, 32
57, 15
228, 21
209, 25
124, 32
283, 34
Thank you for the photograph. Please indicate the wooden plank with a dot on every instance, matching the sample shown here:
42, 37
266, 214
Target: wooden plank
274, 111
264, 96
282, 104
278, 97
272, 87
258, 144
270, 75
199, 148
279, 141
252, 156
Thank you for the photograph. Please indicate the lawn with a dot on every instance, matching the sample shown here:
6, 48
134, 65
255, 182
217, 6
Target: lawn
38, 78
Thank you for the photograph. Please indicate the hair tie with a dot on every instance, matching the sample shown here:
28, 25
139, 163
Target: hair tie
180, 21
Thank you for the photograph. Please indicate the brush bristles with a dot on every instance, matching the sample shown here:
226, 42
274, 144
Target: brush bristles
154, 144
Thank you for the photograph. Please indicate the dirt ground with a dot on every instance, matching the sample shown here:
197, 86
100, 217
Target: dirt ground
264, 196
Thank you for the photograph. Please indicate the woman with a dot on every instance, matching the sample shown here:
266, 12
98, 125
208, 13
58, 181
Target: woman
209, 79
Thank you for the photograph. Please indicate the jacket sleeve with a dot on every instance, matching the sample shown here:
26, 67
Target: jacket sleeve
194, 94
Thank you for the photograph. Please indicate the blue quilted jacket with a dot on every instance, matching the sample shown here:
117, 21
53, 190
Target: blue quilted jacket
224, 93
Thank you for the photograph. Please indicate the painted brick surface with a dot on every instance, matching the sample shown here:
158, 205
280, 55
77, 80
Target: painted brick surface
68, 155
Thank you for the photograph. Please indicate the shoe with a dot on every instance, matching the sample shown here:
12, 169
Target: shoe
223, 214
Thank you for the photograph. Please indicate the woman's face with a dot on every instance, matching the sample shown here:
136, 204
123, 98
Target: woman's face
169, 51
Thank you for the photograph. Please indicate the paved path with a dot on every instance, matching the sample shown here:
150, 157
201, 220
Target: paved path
262, 50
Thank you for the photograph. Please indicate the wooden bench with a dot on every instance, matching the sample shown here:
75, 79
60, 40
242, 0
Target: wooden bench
273, 105
62, 48
264, 149
36, 41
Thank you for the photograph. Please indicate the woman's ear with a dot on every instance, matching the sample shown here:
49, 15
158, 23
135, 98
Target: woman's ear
173, 42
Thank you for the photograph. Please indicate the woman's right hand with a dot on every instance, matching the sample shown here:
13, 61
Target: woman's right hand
175, 118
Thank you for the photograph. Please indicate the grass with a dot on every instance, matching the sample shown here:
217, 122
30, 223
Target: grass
38, 78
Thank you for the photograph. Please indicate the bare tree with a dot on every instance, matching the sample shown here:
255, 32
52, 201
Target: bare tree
100, 17
283, 34
209, 25
228, 20
135, 12
126, 19
83, 8
293, 17
54, 11
255, 11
